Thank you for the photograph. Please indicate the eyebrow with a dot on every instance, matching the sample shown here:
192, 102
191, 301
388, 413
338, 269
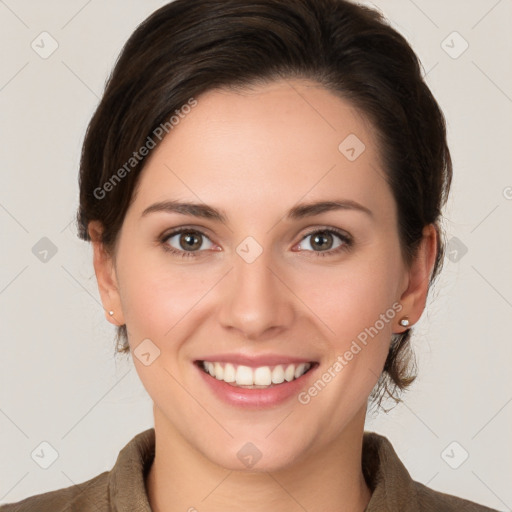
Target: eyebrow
296, 213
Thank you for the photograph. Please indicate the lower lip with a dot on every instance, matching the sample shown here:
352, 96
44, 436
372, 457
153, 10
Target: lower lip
256, 398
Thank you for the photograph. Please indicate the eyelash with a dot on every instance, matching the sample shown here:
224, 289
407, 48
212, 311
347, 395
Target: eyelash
346, 246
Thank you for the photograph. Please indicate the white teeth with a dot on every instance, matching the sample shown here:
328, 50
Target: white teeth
229, 373
219, 371
261, 376
278, 374
244, 376
289, 373
300, 370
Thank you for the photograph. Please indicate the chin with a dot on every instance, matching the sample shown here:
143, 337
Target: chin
256, 456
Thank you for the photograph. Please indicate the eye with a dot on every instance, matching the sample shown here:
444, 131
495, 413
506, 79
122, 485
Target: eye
188, 242
324, 240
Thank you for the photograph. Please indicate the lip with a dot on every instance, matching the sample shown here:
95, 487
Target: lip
254, 360
256, 398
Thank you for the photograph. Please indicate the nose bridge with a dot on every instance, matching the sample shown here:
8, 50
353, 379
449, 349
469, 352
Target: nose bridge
255, 300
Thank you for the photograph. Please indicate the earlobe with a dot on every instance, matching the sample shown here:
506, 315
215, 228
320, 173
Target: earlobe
106, 277
414, 298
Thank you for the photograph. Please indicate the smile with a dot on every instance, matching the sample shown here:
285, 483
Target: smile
259, 377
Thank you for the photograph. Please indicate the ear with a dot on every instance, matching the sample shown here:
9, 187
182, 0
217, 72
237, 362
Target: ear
414, 296
105, 275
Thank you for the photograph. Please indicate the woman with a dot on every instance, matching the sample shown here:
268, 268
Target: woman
262, 184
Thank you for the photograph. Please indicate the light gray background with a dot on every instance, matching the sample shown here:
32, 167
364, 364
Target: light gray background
60, 382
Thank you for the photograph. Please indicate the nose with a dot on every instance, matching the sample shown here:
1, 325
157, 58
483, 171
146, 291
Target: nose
257, 300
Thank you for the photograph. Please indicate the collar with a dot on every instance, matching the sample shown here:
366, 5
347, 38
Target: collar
127, 487
391, 485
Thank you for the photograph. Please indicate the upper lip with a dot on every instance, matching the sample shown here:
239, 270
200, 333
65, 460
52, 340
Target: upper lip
255, 360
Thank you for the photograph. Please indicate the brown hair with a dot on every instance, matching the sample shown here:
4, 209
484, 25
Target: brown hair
188, 47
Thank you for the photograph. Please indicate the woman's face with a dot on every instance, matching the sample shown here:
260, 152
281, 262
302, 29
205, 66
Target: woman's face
274, 283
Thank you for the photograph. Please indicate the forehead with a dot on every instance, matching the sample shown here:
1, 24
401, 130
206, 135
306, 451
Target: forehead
271, 145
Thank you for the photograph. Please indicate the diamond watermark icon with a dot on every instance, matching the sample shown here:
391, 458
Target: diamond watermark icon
44, 45
44, 250
44, 455
351, 147
454, 455
454, 45
146, 352
249, 249
455, 249
249, 455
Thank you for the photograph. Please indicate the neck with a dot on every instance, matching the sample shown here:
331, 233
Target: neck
182, 479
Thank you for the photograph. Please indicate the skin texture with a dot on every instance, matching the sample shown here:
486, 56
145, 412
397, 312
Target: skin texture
255, 154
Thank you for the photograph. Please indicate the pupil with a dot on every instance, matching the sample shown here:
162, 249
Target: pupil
189, 241
319, 237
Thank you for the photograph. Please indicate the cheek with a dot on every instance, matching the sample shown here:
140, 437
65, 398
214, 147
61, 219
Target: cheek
356, 303
352, 296
156, 294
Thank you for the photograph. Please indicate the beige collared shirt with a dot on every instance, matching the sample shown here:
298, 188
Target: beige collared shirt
122, 489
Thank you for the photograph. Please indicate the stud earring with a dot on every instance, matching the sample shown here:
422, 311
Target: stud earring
404, 322
111, 313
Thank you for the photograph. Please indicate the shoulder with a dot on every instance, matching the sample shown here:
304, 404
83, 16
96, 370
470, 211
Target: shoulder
430, 500
394, 489
121, 488
91, 495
